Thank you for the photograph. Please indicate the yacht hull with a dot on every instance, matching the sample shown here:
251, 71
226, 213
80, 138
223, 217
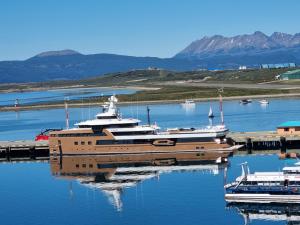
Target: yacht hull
66, 146
262, 198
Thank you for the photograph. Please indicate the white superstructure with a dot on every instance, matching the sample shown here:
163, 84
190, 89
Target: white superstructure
129, 128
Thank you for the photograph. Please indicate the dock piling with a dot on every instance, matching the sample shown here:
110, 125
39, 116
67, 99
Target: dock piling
282, 144
23, 149
249, 145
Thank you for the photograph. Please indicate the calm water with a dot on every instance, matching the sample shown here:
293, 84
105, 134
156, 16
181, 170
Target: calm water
252, 117
30, 194
8, 99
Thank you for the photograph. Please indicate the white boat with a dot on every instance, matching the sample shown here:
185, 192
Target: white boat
210, 113
189, 102
263, 102
267, 212
265, 187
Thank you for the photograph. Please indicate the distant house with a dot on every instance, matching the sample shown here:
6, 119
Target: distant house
289, 75
290, 127
278, 65
153, 68
242, 67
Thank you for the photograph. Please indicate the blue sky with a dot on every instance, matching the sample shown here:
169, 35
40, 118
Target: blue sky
133, 27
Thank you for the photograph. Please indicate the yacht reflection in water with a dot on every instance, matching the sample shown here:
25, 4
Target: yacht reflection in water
268, 212
113, 173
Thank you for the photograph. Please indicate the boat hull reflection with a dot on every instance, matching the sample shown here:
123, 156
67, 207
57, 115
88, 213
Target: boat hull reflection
112, 173
271, 212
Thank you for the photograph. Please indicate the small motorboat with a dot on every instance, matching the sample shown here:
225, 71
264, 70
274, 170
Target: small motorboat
189, 105
263, 102
44, 135
245, 101
189, 102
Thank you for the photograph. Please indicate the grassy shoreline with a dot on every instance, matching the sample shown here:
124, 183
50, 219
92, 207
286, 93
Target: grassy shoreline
160, 86
30, 89
87, 104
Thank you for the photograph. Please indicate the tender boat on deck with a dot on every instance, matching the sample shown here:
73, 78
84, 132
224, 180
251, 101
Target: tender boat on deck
265, 187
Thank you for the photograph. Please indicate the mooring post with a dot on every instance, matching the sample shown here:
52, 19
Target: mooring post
7, 152
282, 145
31, 152
249, 145
60, 162
60, 150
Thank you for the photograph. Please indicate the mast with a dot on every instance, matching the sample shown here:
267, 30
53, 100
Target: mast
210, 113
67, 114
221, 110
148, 115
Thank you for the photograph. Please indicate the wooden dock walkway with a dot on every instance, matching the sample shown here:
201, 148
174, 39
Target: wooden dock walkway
24, 149
261, 140
264, 140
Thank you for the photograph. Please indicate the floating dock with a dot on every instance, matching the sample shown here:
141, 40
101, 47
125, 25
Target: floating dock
23, 150
264, 140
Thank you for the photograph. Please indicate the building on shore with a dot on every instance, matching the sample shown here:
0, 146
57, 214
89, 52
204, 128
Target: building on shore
278, 66
242, 67
289, 127
289, 75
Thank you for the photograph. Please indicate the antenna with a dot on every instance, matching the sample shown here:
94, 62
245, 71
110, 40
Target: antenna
221, 110
137, 107
221, 90
225, 175
89, 108
67, 113
81, 108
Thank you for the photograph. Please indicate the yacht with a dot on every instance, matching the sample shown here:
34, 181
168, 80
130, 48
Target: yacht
111, 174
109, 133
265, 187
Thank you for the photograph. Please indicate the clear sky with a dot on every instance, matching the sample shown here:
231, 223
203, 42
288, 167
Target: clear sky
134, 27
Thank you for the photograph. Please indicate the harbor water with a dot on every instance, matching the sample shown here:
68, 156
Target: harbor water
34, 193
34, 97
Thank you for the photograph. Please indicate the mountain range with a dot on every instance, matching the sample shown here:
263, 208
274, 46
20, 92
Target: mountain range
248, 49
254, 43
69, 64
215, 52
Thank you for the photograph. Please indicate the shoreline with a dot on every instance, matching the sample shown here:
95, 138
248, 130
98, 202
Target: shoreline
33, 89
74, 105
